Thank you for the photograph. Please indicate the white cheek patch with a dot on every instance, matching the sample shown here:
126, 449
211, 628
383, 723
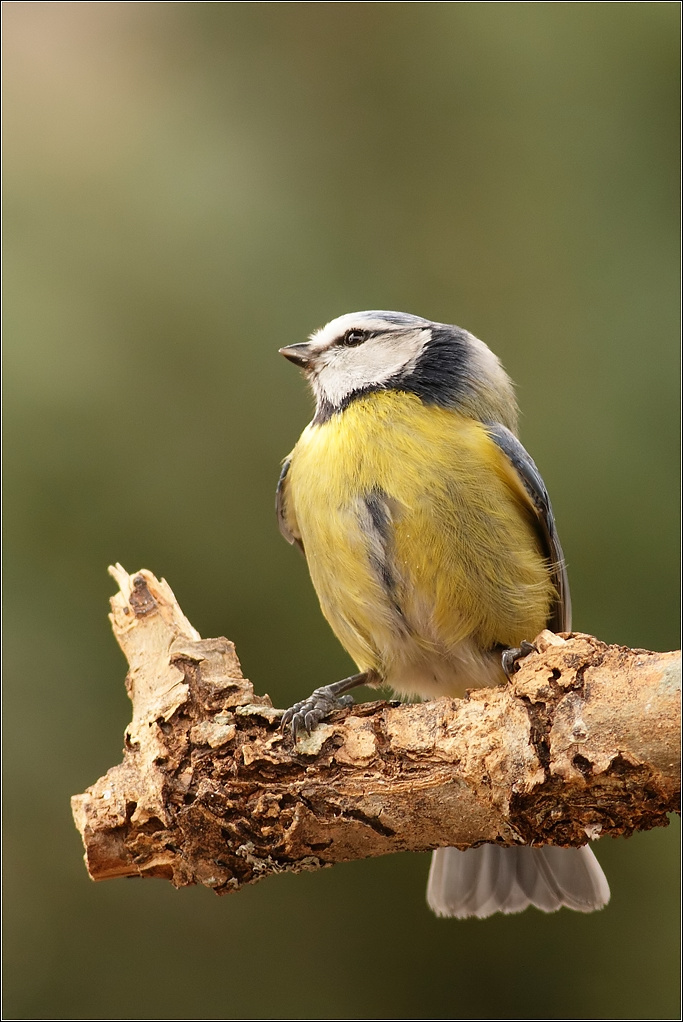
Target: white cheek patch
344, 370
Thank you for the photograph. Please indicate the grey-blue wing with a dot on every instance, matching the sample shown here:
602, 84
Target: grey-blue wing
561, 616
284, 524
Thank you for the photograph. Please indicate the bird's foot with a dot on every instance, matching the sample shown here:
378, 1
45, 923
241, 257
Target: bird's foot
510, 658
307, 713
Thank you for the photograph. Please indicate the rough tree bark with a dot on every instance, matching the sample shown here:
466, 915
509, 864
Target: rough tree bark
584, 742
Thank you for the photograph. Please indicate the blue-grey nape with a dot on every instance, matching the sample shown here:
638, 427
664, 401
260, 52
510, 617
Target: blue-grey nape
442, 375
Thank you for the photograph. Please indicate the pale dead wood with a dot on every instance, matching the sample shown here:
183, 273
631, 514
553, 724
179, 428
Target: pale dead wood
585, 742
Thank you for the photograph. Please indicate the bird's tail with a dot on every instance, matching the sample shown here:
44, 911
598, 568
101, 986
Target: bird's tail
488, 879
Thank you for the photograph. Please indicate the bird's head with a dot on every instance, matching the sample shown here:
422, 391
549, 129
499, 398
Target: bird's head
363, 352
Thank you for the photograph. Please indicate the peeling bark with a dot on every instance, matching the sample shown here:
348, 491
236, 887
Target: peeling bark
584, 742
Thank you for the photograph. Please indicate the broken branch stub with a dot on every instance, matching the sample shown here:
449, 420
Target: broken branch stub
584, 742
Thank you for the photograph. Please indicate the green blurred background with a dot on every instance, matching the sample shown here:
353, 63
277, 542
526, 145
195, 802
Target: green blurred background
189, 186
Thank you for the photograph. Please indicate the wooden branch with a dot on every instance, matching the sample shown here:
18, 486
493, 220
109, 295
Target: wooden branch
584, 742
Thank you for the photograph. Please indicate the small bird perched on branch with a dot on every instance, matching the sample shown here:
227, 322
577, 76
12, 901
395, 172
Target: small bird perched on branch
432, 547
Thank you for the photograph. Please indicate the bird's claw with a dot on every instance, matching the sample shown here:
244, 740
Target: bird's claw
307, 713
510, 658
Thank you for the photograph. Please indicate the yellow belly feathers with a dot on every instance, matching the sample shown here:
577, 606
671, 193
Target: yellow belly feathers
448, 566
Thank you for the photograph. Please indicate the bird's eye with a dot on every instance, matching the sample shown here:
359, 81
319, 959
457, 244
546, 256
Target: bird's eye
353, 337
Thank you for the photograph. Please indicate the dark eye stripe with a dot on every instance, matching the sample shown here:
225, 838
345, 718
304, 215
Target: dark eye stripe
353, 337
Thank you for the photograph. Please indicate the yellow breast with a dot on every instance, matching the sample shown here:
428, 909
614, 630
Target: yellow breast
417, 534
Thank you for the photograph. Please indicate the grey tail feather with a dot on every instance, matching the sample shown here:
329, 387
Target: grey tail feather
488, 879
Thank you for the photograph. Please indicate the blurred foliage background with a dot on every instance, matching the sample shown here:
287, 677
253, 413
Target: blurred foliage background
189, 186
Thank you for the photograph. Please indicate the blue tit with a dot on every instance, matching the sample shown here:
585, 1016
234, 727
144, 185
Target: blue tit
432, 546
